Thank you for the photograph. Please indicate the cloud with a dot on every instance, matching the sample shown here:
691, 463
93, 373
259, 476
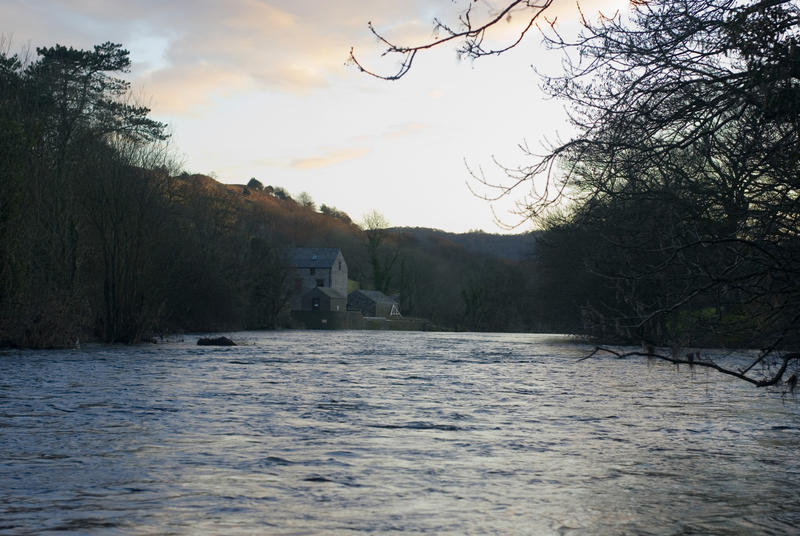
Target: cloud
404, 129
181, 47
276, 45
189, 51
329, 158
183, 89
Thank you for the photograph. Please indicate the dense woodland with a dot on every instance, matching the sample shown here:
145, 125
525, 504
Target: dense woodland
102, 238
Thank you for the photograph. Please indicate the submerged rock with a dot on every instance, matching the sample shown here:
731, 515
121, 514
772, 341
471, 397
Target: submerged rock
215, 341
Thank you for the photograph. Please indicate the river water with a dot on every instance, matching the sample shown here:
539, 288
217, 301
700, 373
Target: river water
305, 432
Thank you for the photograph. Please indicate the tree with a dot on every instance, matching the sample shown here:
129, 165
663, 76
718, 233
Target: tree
566, 289
683, 169
305, 199
270, 290
471, 32
375, 224
124, 202
255, 184
281, 193
334, 213
59, 114
686, 165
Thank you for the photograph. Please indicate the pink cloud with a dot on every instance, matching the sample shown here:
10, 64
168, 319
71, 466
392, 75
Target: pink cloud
329, 158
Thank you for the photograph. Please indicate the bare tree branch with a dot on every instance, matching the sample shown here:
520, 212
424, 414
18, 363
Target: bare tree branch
693, 359
472, 35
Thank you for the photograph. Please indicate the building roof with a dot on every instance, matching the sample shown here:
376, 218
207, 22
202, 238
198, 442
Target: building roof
312, 257
376, 296
328, 291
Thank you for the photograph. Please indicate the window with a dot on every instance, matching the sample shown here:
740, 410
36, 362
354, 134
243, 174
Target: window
340, 266
315, 304
312, 271
320, 282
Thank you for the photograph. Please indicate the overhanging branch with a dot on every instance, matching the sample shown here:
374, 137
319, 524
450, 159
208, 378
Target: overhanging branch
693, 359
473, 37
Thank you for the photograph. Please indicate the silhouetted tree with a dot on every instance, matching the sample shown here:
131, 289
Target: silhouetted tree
255, 184
382, 262
58, 113
335, 213
305, 199
281, 193
471, 32
124, 201
684, 168
687, 166
270, 288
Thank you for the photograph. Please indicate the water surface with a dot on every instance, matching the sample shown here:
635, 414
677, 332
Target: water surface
306, 432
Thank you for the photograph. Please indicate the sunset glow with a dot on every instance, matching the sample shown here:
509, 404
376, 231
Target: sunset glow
261, 89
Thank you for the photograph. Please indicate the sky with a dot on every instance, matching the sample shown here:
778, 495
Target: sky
262, 88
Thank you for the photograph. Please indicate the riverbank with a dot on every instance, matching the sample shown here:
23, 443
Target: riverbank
354, 320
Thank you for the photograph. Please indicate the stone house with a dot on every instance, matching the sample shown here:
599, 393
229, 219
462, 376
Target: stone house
318, 268
373, 303
323, 299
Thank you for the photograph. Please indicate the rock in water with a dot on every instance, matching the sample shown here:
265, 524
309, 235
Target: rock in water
215, 341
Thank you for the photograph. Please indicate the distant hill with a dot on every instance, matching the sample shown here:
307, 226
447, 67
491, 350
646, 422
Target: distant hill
516, 247
305, 226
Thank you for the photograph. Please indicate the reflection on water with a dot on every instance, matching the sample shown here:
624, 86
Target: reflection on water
351, 432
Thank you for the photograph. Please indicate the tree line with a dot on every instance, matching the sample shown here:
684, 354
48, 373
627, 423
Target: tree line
99, 236
83, 170
103, 238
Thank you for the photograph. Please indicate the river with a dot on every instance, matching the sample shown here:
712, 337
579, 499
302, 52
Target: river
302, 432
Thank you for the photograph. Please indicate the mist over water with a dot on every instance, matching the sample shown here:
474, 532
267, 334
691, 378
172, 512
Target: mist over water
306, 432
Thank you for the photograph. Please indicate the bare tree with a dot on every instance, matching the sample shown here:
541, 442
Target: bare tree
382, 262
123, 195
470, 33
305, 199
686, 163
58, 112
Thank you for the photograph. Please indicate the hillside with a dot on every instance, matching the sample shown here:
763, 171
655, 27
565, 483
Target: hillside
516, 247
474, 281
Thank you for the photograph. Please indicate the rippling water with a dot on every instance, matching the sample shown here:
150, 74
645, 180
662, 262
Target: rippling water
376, 432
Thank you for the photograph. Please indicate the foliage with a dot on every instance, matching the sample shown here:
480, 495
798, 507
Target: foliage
255, 184
97, 238
281, 193
305, 199
269, 285
335, 213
